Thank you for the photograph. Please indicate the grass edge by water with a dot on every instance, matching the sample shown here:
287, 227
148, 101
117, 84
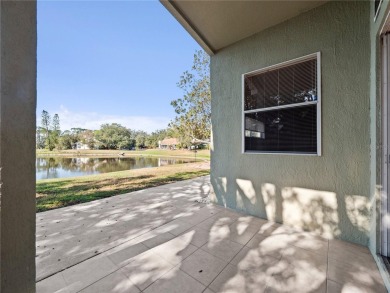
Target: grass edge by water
62, 192
200, 154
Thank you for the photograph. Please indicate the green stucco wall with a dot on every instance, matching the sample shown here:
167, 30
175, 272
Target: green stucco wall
329, 194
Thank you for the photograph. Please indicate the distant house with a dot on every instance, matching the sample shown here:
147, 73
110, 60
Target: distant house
168, 143
200, 143
81, 146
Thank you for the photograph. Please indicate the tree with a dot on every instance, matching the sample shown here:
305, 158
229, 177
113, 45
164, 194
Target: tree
65, 141
46, 130
77, 130
114, 136
40, 138
49, 133
55, 130
193, 120
156, 136
56, 124
87, 137
140, 139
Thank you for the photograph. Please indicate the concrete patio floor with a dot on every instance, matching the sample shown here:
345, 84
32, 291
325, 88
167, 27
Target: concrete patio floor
162, 240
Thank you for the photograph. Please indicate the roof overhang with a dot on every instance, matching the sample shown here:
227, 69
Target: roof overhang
218, 24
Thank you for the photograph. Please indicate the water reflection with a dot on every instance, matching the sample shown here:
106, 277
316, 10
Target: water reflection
59, 167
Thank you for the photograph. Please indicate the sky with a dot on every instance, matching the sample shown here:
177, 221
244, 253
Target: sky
110, 62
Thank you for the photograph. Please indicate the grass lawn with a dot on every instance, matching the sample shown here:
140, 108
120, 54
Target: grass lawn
57, 193
201, 154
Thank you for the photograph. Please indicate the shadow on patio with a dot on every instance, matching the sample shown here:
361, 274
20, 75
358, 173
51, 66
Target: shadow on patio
161, 240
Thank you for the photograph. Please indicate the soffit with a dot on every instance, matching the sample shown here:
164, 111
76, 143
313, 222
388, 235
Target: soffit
218, 24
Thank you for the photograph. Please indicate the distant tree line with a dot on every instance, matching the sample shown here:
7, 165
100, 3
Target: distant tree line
110, 136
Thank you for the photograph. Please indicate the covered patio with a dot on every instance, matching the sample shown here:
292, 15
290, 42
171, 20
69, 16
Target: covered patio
167, 239
160, 239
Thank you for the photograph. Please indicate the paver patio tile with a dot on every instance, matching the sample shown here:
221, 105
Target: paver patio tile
84, 274
249, 258
234, 280
117, 282
333, 287
176, 250
297, 277
203, 266
304, 260
224, 249
123, 254
175, 281
230, 232
200, 216
248, 220
146, 268
219, 220
272, 245
59, 260
241, 233
198, 236
53, 284
158, 239
351, 254
175, 227
310, 242
357, 275
242, 254
322, 288
336, 244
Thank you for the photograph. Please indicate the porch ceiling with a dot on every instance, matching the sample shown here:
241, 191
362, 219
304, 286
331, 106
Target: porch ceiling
218, 24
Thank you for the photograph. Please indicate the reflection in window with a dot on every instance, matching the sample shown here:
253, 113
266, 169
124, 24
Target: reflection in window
281, 108
285, 130
254, 128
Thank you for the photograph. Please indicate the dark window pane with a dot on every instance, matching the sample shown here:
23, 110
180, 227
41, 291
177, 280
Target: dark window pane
286, 85
305, 82
254, 92
271, 85
286, 130
296, 83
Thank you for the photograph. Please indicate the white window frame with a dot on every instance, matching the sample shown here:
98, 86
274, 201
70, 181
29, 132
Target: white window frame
317, 56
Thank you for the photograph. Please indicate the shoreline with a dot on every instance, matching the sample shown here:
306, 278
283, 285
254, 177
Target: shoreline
201, 154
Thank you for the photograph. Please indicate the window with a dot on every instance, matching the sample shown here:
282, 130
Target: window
282, 108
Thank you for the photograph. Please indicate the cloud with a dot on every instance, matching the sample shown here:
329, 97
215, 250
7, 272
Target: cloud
93, 120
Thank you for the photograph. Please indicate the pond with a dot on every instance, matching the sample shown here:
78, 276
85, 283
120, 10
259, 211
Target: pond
62, 167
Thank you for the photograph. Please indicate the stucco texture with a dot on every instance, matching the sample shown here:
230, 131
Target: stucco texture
327, 194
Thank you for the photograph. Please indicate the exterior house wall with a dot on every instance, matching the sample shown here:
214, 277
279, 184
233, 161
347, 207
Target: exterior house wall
328, 194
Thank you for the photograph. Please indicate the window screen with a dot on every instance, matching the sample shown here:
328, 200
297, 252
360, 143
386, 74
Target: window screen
281, 108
